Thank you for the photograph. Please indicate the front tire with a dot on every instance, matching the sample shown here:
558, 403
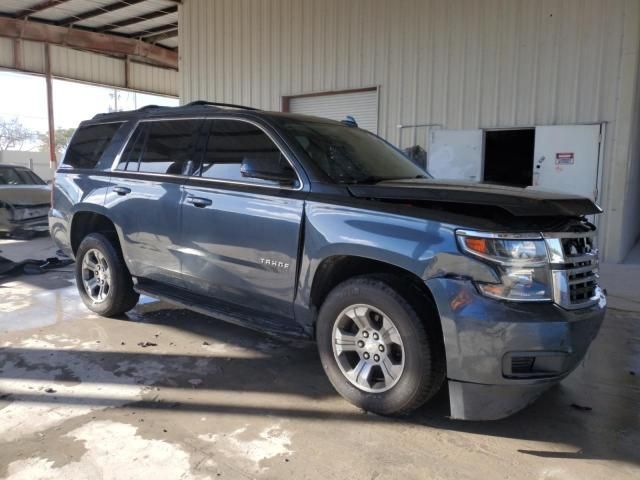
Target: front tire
377, 350
102, 277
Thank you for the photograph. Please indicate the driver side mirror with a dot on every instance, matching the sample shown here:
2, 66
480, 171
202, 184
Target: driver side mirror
268, 167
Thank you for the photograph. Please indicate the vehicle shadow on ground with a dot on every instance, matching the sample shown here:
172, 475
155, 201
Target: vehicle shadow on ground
276, 377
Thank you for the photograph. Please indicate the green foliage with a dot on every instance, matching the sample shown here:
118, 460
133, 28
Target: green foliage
62, 137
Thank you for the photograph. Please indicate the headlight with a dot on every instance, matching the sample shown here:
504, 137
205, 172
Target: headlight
520, 260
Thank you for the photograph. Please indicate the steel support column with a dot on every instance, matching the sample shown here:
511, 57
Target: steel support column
52, 127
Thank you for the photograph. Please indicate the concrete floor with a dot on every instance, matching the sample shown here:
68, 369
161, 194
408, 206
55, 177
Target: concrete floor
87, 397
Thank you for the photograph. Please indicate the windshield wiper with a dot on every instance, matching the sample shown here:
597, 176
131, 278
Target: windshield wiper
371, 180
421, 176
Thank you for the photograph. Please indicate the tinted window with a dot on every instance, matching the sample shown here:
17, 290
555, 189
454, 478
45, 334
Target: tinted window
9, 176
30, 178
230, 143
131, 155
88, 144
350, 155
162, 147
19, 176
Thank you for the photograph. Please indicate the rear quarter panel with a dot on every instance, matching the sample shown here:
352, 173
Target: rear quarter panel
83, 190
75, 191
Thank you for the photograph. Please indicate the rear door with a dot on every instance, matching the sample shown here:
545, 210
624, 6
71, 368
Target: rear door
240, 234
145, 195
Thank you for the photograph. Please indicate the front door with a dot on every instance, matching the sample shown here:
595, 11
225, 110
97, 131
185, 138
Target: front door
240, 234
145, 194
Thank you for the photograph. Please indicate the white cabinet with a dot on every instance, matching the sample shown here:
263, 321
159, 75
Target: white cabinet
566, 159
455, 154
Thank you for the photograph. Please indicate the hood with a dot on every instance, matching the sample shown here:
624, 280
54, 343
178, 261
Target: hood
521, 202
24, 195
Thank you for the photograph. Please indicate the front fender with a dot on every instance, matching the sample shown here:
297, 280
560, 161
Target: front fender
425, 248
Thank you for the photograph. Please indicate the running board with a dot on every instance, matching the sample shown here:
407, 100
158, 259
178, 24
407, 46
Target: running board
259, 321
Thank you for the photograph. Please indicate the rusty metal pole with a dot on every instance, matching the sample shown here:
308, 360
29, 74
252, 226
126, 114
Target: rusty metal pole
52, 127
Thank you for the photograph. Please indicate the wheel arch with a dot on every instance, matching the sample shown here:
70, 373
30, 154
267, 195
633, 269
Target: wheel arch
85, 222
336, 269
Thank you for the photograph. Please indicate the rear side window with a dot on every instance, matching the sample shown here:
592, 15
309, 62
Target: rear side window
88, 145
165, 147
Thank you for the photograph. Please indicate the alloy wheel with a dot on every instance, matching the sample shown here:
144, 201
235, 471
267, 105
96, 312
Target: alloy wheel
96, 276
368, 348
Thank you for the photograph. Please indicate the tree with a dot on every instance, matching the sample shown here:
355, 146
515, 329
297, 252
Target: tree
62, 136
14, 135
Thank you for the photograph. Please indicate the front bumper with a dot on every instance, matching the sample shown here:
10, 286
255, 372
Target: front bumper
483, 337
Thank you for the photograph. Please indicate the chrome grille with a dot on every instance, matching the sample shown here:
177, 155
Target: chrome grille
577, 246
574, 267
582, 283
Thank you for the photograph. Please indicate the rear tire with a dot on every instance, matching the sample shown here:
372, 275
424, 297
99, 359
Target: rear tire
102, 277
357, 321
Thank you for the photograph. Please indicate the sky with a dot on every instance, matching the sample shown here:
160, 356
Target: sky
24, 97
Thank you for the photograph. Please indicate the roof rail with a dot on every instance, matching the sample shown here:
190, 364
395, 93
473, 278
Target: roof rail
217, 104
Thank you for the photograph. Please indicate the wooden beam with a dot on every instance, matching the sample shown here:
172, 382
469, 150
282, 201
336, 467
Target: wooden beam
85, 40
38, 7
112, 7
138, 19
158, 37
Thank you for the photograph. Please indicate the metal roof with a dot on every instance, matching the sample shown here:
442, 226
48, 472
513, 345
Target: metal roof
152, 21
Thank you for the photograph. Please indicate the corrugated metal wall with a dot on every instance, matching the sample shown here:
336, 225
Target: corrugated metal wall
459, 63
90, 67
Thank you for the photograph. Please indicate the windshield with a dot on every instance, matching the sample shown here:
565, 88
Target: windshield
19, 176
351, 155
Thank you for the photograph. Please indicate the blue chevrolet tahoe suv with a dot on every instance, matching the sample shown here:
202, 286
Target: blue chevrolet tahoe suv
306, 227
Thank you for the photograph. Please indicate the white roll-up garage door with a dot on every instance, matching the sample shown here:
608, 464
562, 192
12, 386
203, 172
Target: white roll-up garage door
363, 106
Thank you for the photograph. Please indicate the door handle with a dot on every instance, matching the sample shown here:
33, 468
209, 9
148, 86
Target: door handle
122, 190
199, 201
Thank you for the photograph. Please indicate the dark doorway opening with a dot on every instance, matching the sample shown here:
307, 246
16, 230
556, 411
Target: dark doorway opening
508, 156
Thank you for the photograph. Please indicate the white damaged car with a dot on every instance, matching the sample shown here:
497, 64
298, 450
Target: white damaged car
25, 200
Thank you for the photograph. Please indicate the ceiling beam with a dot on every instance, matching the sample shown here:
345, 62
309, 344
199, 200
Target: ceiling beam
158, 37
153, 30
38, 7
137, 19
112, 7
86, 40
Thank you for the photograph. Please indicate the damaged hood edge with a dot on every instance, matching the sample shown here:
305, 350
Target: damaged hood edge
519, 202
25, 195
